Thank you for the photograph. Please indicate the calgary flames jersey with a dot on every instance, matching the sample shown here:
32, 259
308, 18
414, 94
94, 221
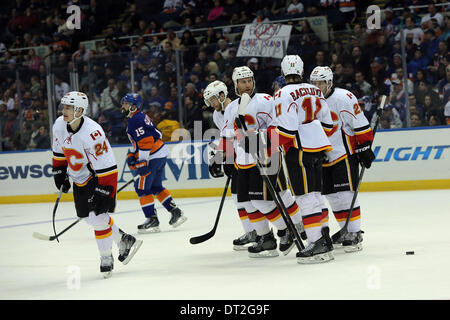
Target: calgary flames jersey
302, 117
259, 114
350, 126
218, 119
85, 152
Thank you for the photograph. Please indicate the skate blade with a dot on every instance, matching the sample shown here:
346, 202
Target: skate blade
355, 248
318, 258
264, 254
107, 274
179, 222
241, 247
149, 230
134, 248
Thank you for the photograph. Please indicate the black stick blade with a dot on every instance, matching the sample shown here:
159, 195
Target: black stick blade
202, 238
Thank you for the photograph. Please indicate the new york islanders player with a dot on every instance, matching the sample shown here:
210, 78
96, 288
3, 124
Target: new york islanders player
216, 96
351, 140
147, 160
251, 189
82, 152
303, 121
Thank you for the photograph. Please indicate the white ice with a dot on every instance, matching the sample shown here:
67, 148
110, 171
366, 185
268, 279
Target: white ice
168, 267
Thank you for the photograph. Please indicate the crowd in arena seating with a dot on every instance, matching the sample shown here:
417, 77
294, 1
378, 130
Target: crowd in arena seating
367, 62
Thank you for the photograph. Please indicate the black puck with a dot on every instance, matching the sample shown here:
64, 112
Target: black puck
409, 252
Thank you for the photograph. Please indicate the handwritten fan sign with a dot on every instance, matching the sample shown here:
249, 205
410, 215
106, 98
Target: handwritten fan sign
264, 40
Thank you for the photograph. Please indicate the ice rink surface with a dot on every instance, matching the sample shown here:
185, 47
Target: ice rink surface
168, 267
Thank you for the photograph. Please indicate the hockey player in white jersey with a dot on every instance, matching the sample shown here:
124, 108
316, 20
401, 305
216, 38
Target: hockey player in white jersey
303, 123
82, 152
351, 140
251, 189
216, 96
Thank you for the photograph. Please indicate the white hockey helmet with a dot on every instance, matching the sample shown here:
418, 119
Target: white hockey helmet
322, 74
242, 73
292, 65
77, 100
213, 90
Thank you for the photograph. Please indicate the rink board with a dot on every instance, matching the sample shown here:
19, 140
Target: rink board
406, 159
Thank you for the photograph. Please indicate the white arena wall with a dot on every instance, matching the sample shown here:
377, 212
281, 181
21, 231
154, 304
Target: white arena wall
406, 159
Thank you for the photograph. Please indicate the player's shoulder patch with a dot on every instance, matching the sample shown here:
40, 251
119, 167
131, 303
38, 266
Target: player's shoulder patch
264, 96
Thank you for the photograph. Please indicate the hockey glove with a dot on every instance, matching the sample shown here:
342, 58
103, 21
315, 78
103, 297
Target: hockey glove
131, 160
101, 200
365, 154
61, 178
229, 169
215, 165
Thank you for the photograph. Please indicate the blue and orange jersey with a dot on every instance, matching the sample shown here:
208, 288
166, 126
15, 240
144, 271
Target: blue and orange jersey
143, 134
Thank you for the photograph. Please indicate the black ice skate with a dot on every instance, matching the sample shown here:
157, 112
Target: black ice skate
286, 241
265, 246
128, 246
177, 217
151, 225
243, 241
353, 241
318, 251
106, 266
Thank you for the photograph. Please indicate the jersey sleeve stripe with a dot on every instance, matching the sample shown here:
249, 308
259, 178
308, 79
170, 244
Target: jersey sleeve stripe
362, 132
362, 129
146, 143
100, 171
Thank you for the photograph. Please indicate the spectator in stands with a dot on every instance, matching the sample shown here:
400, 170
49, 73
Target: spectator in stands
188, 46
193, 113
414, 107
11, 130
443, 85
419, 62
430, 44
223, 48
109, 98
411, 29
390, 118
216, 14
40, 140
435, 120
173, 39
173, 98
338, 75
364, 86
390, 24
295, 8
432, 14
61, 88
155, 99
447, 113
416, 121
168, 124
144, 59
199, 83
8, 99
219, 60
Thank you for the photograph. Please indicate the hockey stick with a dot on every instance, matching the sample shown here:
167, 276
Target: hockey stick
210, 234
56, 207
41, 236
344, 229
275, 196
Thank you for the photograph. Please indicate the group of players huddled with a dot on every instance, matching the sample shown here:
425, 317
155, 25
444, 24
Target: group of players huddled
308, 139
322, 135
